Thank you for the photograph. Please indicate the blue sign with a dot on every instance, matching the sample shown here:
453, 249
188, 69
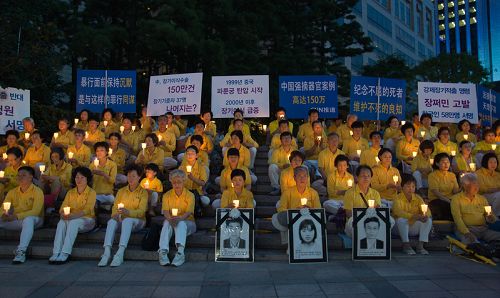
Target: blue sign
365, 93
487, 105
299, 94
100, 89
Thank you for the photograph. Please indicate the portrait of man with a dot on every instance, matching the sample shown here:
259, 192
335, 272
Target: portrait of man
372, 228
234, 227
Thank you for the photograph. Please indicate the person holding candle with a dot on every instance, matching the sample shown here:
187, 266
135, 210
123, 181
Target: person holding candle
119, 156
333, 125
487, 145
443, 144
148, 122
306, 129
11, 137
355, 144
171, 126
236, 142
469, 214
279, 161
248, 142
442, 186
369, 156
37, 154
56, 181
197, 141
392, 134
275, 124
14, 163
128, 214
167, 142
108, 125
93, 135
104, 171
196, 176
326, 162
339, 181
426, 131
237, 192
210, 128
421, 166
489, 181
153, 186
79, 153
83, 120
178, 208
292, 199
64, 137
386, 178
465, 134
199, 129
224, 180
276, 138
80, 219
464, 162
129, 137
407, 148
29, 127
345, 130
415, 119
412, 216
26, 210
287, 179
152, 153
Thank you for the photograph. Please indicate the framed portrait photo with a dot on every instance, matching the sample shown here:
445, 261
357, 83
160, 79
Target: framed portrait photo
234, 238
371, 234
307, 237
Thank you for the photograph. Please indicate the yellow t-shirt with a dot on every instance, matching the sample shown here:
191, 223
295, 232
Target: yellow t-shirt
66, 139
183, 203
467, 212
276, 142
290, 199
429, 133
4, 149
353, 199
34, 156
82, 125
247, 139
119, 156
173, 128
81, 155
369, 157
344, 132
154, 185
147, 124
336, 183
326, 160
383, 176
101, 185
211, 129
309, 142
94, 137
170, 142
420, 162
28, 203
225, 177
444, 148
351, 146
483, 146
280, 157
132, 139
80, 202
274, 125
11, 173
444, 182
207, 145
245, 198
470, 137
156, 157
246, 129
243, 161
305, 130
287, 181
487, 181
463, 165
390, 133
405, 149
135, 202
402, 208
64, 173
198, 171
110, 128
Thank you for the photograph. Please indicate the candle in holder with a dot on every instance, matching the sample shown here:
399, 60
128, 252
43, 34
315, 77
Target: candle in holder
472, 166
349, 183
453, 152
133, 127
146, 184
487, 209
121, 205
236, 203
414, 154
466, 137
96, 162
371, 203
264, 127
56, 135
377, 160
303, 201
86, 134
159, 138
424, 208
232, 184
110, 151
494, 147
70, 155
76, 120
66, 210
350, 132
122, 129
143, 146
105, 122
358, 152
26, 135
42, 168
403, 123
189, 168
395, 178
282, 117
6, 206
2, 174
4, 156
318, 138
175, 211
431, 160
422, 133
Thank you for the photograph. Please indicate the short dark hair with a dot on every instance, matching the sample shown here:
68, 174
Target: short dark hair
442, 129
108, 110
238, 172
283, 122
382, 151
237, 220
79, 131
374, 133
169, 114
297, 153
407, 125
12, 132
27, 169
134, 167
238, 133
84, 171
59, 151
153, 137
462, 122
371, 219
280, 109
285, 134
426, 144
104, 145
196, 138
312, 111
115, 134
364, 168
339, 158
425, 115
486, 158
203, 112
16, 151
316, 122
238, 111
237, 120
389, 120
488, 131
192, 147
407, 178
233, 152
438, 158
464, 142
153, 167
198, 121
357, 124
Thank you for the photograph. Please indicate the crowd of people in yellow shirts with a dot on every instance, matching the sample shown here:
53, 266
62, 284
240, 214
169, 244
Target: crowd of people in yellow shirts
118, 163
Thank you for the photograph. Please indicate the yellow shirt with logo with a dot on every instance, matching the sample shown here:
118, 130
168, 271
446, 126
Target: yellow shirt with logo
28, 203
80, 202
136, 202
245, 198
183, 203
101, 185
290, 199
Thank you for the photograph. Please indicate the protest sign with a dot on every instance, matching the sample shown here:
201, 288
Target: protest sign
14, 106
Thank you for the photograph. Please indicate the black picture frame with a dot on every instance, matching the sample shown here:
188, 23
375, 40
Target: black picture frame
245, 252
299, 250
379, 247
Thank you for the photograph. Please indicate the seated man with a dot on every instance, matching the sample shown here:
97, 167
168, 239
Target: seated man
279, 161
199, 130
130, 138
469, 214
247, 141
25, 212
119, 156
355, 144
166, 142
37, 154
224, 180
25, 140
93, 135
291, 199
276, 138
64, 137
197, 141
392, 134
306, 129
313, 144
345, 130
326, 162
369, 156
79, 153
287, 179
238, 115
280, 116
237, 192
171, 126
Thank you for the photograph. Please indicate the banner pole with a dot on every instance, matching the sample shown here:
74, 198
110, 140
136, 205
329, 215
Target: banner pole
378, 104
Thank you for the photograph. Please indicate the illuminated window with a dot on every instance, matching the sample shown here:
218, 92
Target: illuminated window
461, 23
472, 9
473, 20
441, 17
451, 25
461, 12
451, 4
451, 15
441, 27
440, 6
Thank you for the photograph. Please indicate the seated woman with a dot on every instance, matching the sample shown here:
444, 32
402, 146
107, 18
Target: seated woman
104, 171
148, 124
326, 163
196, 176
26, 210
56, 181
178, 209
337, 184
291, 199
37, 154
392, 134
369, 156
407, 148
14, 163
442, 186
279, 161
386, 178
421, 166
197, 141
82, 120
64, 137
210, 128
287, 179
80, 219
464, 162
224, 180
487, 145
410, 218
79, 153
236, 142
246, 141
465, 134
426, 131
443, 144
129, 215
207, 145
489, 181
153, 186
93, 135
11, 137
108, 124
152, 153
166, 142
129, 137
237, 192
119, 156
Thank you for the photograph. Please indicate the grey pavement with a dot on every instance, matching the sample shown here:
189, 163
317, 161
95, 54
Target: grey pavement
437, 275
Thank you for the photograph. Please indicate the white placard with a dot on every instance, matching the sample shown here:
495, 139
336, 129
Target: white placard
178, 93
248, 93
448, 102
14, 106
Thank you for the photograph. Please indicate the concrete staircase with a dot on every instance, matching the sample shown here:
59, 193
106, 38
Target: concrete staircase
200, 246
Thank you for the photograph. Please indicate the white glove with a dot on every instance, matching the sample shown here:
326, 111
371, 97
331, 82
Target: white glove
305, 212
234, 213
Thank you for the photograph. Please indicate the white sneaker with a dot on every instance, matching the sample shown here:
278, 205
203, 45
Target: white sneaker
20, 257
53, 258
104, 261
179, 259
117, 260
163, 257
62, 258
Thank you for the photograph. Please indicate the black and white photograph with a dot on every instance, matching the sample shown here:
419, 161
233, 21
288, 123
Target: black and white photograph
307, 236
234, 235
371, 237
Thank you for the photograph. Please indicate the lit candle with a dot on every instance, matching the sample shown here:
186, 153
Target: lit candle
494, 146
26, 135
264, 127
349, 183
4, 156
24, 162
189, 168
395, 178
472, 166
350, 132
175, 211
453, 152
159, 138
121, 205
96, 162
122, 129
371, 203
414, 154
431, 160
466, 137
487, 209
358, 152
143, 146
133, 127
6, 206
166, 126
70, 155
377, 159
232, 184
424, 208
86, 134
146, 184
76, 120
66, 210
2, 174
105, 122
403, 122
422, 133
303, 201
318, 138
236, 203
56, 135
42, 168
